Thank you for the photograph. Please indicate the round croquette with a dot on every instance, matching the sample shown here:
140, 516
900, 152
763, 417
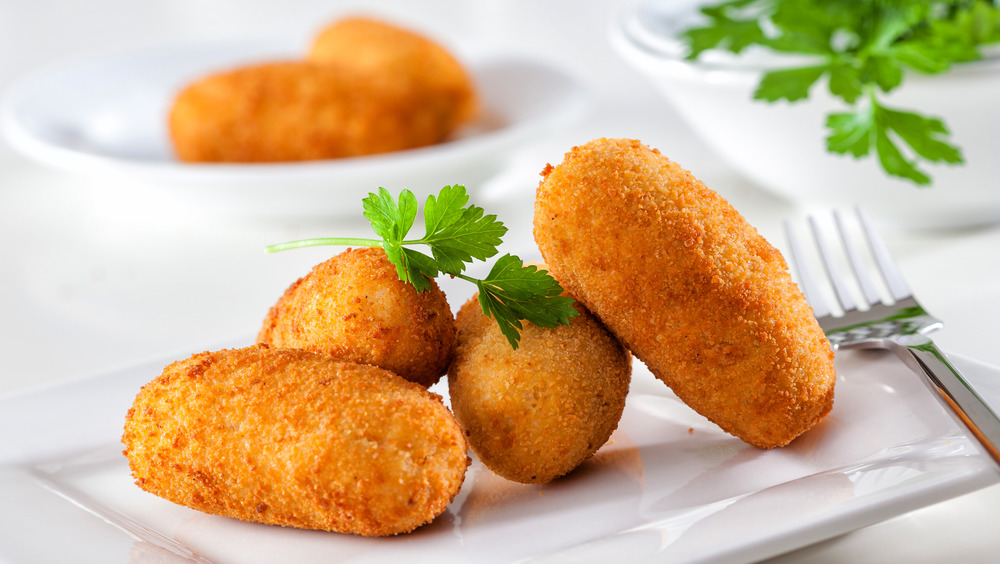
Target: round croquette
354, 307
533, 414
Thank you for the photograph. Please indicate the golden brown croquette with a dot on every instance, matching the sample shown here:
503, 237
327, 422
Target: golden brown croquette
379, 46
688, 286
533, 414
354, 307
294, 438
300, 111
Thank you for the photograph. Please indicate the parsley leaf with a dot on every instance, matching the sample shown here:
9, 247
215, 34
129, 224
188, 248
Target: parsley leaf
845, 81
877, 126
788, 84
415, 267
458, 233
883, 71
893, 160
850, 132
861, 48
731, 34
512, 292
922, 134
729, 29
391, 220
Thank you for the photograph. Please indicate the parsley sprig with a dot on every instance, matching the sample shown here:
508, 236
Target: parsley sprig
862, 48
457, 233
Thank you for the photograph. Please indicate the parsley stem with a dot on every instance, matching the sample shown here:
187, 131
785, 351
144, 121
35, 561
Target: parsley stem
322, 241
465, 277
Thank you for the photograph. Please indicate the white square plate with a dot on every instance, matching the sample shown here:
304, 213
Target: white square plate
668, 486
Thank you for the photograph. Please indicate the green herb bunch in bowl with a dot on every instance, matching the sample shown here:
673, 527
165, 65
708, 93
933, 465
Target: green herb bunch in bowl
890, 103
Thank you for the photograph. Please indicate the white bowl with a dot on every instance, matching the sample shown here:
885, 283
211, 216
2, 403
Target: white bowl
105, 116
781, 146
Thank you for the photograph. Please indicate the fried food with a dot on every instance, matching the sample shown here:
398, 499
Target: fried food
354, 307
299, 111
533, 414
377, 46
688, 286
294, 438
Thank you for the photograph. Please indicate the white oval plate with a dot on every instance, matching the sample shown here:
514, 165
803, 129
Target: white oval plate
106, 116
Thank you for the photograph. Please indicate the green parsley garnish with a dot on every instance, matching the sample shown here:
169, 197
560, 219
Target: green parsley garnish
457, 234
863, 48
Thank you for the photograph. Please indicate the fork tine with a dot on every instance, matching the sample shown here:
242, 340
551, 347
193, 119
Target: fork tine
887, 266
832, 270
806, 279
861, 274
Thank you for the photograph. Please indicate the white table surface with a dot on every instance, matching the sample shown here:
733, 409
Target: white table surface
93, 275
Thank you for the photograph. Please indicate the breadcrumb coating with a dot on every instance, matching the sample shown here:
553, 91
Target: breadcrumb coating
293, 438
354, 307
688, 286
379, 46
534, 414
300, 111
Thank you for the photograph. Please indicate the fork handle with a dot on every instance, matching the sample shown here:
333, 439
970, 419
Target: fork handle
923, 356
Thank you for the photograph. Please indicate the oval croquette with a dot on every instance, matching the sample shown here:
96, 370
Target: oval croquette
688, 286
300, 111
378, 46
293, 438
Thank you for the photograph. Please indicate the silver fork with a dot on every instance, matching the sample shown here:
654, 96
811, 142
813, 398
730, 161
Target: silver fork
900, 324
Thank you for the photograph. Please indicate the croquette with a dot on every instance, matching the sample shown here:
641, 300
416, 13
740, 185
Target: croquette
300, 111
688, 286
354, 307
534, 414
298, 439
378, 46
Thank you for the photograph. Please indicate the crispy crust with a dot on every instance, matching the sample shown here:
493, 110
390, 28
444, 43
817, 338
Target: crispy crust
299, 111
374, 45
533, 414
354, 307
692, 289
294, 438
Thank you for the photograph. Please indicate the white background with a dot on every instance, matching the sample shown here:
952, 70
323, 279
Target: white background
93, 274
